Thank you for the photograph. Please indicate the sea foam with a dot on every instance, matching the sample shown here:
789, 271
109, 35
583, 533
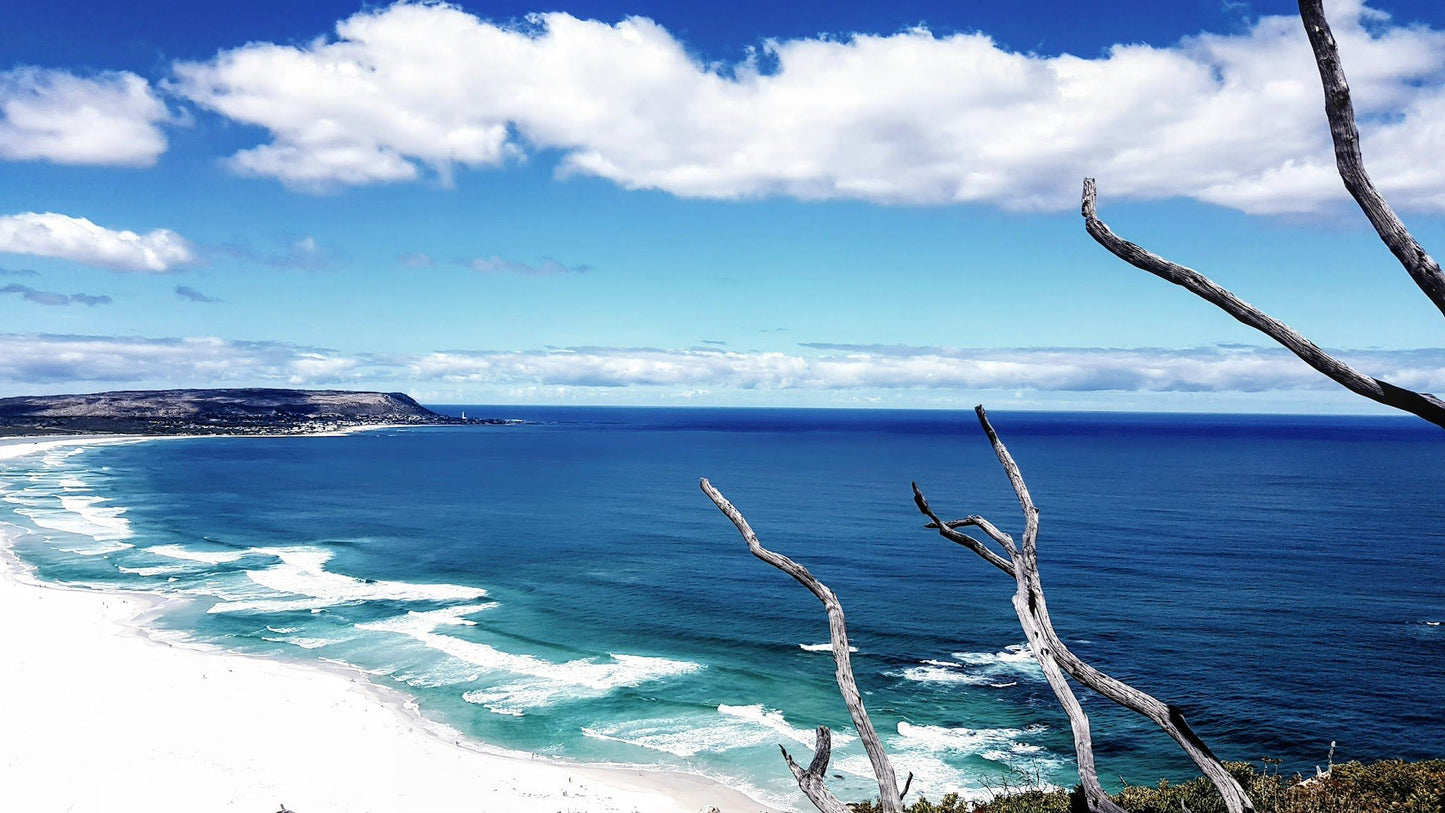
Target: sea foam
999, 669
545, 682
302, 572
82, 516
193, 555
688, 735
823, 648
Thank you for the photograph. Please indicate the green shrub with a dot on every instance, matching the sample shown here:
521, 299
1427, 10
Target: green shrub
1389, 786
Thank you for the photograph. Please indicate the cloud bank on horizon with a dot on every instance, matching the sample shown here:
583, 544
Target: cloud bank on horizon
70, 359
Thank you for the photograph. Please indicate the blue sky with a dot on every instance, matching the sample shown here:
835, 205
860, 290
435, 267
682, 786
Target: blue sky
824, 204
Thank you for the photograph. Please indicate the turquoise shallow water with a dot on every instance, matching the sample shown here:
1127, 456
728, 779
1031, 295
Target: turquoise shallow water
563, 587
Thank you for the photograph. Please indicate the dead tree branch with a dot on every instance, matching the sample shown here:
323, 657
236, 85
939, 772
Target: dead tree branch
890, 800
1423, 269
1424, 405
1025, 608
1351, 163
811, 781
1032, 610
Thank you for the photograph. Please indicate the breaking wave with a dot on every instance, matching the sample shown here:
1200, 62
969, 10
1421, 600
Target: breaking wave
544, 682
822, 648
302, 573
688, 735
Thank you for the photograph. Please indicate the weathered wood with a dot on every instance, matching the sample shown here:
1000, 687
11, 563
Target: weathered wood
1032, 609
1350, 162
812, 781
949, 531
1034, 629
1424, 405
890, 800
1025, 607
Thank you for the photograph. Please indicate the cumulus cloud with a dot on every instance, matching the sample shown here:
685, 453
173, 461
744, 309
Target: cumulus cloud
79, 240
190, 294
52, 115
913, 117
544, 267
51, 298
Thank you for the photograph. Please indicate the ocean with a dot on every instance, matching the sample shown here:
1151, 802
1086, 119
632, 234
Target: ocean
561, 586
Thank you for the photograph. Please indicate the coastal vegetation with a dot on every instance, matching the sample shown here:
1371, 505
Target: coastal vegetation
1387, 786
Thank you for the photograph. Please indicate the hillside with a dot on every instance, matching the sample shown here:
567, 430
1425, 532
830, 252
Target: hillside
212, 411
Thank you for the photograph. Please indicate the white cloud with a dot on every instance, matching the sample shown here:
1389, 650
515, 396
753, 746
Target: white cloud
843, 367
79, 240
51, 115
913, 117
823, 373
31, 360
301, 253
545, 267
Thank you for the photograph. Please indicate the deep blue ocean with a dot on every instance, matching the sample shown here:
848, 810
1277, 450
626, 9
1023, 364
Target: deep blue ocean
562, 586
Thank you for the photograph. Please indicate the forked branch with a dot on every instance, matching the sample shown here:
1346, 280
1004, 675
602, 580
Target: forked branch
890, 800
1026, 608
1049, 649
811, 781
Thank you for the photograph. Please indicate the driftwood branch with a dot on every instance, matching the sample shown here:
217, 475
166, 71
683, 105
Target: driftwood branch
890, 800
1340, 111
1424, 405
811, 781
1051, 652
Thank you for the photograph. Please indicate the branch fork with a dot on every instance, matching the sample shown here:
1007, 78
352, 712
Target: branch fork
1054, 656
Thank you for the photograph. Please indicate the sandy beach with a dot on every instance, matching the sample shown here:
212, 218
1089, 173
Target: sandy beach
101, 716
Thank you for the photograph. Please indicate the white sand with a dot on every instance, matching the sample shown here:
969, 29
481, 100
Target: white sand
99, 717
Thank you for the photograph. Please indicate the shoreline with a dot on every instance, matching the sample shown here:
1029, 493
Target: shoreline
153, 724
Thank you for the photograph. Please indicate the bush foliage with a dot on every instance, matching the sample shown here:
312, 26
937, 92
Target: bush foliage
1390, 786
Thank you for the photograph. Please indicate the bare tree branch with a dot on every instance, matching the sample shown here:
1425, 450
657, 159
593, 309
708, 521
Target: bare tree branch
1424, 405
1025, 604
964, 539
1051, 652
983, 525
1167, 717
1094, 794
811, 781
1351, 163
889, 799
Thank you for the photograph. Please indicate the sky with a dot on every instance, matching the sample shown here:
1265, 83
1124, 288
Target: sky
838, 204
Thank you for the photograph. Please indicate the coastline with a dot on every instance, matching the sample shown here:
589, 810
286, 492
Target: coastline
106, 716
